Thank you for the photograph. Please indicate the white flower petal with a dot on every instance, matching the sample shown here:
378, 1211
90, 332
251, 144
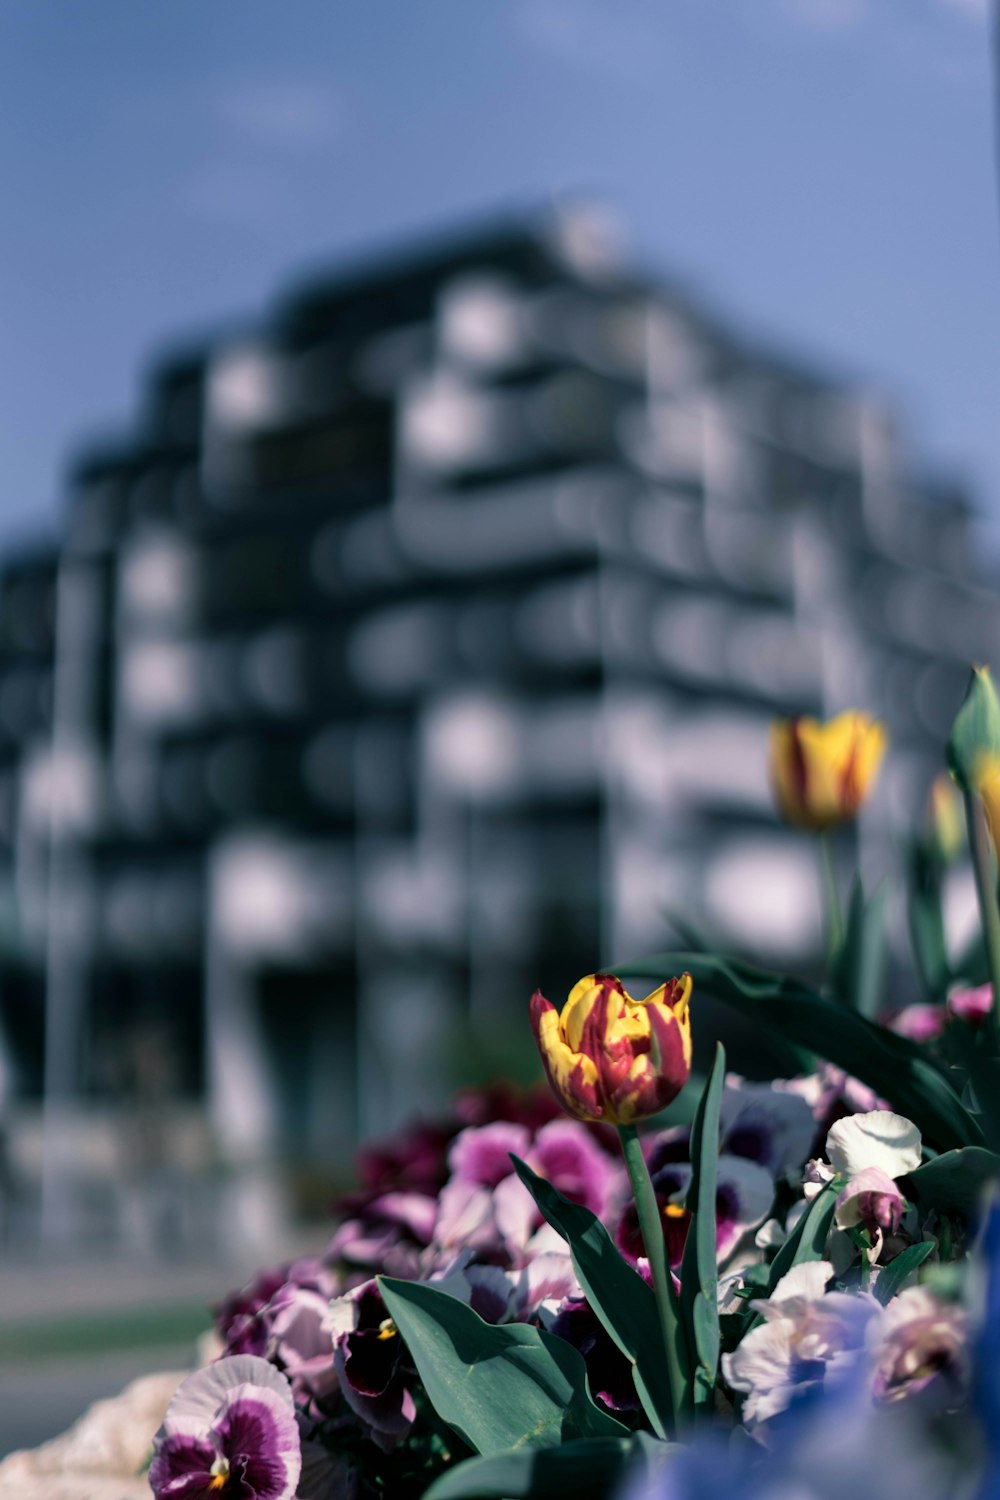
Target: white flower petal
877, 1139
807, 1281
199, 1397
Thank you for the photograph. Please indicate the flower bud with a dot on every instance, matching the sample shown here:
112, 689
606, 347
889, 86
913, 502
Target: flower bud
945, 819
971, 1005
611, 1058
987, 784
822, 773
873, 1200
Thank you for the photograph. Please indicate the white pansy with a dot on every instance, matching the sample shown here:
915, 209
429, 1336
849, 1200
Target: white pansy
876, 1139
804, 1282
807, 1335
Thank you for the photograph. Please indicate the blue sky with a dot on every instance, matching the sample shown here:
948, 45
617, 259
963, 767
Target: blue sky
820, 169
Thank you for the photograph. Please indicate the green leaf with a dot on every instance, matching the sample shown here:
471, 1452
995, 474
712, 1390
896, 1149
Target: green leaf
893, 1277
588, 1469
618, 1295
700, 1267
976, 730
954, 1182
895, 1067
858, 972
925, 916
499, 1388
807, 1240
984, 1075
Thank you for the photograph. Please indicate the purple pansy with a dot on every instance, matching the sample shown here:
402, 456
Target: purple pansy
230, 1433
371, 1363
770, 1126
609, 1372
280, 1317
743, 1198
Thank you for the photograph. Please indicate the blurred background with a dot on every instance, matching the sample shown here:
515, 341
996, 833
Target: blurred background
436, 442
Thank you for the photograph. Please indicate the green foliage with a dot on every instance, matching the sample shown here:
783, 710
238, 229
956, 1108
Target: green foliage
499, 1388
976, 730
699, 1269
925, 917
857, 974
893, 1277
807, 1240
623, 1302
587, 1469
956, 1181
896, 1068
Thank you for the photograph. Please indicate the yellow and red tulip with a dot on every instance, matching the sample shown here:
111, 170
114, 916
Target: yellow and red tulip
611, 1058
822, 773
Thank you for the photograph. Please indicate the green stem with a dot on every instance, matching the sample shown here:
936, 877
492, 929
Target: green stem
663, 1286
986, 891
831, 902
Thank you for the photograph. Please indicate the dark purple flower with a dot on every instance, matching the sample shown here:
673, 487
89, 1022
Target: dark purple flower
280, 1317
240, 1320
371, 1363
388, 1234
230, 1433
415, 1160
744, 1196
609, 1373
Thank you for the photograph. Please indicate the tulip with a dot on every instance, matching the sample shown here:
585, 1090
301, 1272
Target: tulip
822, 773
987, 784
945, 819
611, 1058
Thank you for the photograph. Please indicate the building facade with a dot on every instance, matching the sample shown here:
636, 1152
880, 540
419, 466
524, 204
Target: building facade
419, 647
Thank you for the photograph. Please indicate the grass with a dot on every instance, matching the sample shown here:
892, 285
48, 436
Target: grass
113, 1330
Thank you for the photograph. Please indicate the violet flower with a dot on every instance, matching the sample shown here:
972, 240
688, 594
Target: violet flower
230, 1433
743, 1198
771, 1126
370, 1360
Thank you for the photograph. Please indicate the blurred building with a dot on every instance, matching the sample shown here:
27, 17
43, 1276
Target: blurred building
419, 647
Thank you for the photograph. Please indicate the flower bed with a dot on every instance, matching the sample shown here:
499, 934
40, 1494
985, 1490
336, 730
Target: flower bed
795, 1293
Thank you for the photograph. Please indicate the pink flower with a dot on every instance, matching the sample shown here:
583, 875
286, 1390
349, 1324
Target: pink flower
921, 1023
872, 1199
971, 1005
920, 1342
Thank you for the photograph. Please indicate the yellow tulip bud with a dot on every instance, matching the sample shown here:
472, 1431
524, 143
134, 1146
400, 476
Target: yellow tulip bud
987, 784
945, 818
611, 1058
822, 773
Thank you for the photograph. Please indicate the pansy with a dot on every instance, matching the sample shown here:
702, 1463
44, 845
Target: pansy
743, 1198
371, 1363
485, 1206
279, 1317
919, 1343
808, 1336
389, 1233
609, 1372
230, 1433
770, 1126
